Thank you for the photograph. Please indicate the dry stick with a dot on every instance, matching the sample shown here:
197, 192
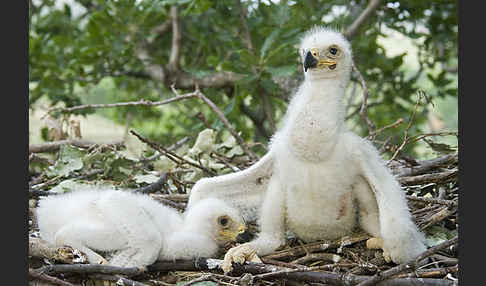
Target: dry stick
91, 268
405, 140
120, 281
225, 121
142, 102
155, 186
426, 165
441, 177
310, 276
172, 156
44, 277
363, 111
317, 246
407, 266
449, 203
55, 145
396, 123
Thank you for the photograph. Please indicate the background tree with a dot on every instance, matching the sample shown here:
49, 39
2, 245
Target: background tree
241, 54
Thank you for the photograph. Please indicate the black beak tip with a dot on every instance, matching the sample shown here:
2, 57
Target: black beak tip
309, 61
243, 237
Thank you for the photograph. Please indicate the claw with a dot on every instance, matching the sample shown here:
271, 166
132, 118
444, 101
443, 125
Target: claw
377, 243
239, 254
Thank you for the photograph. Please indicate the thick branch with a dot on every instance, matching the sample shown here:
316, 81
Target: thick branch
307, 276
367, 12
175, 52
246, 33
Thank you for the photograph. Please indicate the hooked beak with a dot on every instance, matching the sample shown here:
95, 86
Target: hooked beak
309, 61
243, 235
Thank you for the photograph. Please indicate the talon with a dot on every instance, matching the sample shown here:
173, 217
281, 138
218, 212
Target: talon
374, 243
387, 256
239, 254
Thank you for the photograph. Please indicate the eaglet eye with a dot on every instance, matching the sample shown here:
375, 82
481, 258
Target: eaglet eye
223, 221
333, 51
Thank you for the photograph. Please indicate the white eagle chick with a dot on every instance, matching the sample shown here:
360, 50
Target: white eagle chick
324, 179
135, 228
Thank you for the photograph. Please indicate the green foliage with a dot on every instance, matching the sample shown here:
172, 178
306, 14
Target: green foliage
92, 57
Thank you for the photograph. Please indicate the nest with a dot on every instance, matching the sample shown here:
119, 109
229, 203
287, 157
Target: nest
431, 188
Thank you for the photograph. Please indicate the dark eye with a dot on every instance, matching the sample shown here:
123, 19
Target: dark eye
333, 51
223, 221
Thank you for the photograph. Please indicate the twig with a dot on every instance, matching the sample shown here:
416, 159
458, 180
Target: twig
317, 246
181, 198
407, 266
141, 102
205, 277
120, 281
155, 186
395, 124
441, 177
367, 12
426, 165
363, 111
310, 276
225, 121
449, 203
172, 156
405, 140
40, 276
91, 268
55, 145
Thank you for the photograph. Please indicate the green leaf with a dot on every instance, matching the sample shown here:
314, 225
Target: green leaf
282, 71
268, 43
70, 159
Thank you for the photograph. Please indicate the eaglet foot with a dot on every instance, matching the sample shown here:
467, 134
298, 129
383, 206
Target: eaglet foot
377, 243
239, 254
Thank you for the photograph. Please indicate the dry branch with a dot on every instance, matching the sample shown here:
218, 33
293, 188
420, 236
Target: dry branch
41, 249
55, 145
172, 156
44, 277
205, 264
317, 246
405, 267
363, 111
141, 102
358, 22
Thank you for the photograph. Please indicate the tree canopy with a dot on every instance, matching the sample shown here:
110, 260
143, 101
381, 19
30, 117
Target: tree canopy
240, 54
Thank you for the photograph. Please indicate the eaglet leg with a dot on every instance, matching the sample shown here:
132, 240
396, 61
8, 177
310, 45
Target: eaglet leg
85, 236
368, 215
271, 223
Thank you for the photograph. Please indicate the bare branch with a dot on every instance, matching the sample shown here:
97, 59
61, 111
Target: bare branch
172, 156
363, 112
175, 52
120, 104
55, 145
225, 121
407, 266
246, 33
367, 12
44, 277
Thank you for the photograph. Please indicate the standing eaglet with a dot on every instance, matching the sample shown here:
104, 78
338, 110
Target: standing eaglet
318, 179
134, 228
